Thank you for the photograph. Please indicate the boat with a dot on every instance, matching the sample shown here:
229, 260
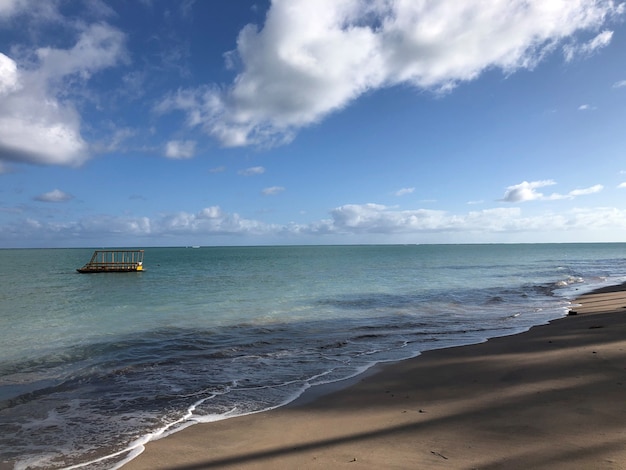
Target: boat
114, 261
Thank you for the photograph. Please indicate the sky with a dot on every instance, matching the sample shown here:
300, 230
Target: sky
134, 123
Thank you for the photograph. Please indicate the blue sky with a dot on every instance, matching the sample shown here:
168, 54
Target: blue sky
163, 123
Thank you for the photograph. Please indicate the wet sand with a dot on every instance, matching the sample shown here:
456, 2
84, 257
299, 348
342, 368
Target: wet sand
551, 398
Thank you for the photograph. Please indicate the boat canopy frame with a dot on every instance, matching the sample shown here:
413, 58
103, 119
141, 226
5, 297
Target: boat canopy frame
114, 261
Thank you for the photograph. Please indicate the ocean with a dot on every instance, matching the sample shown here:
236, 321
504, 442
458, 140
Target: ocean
94, 365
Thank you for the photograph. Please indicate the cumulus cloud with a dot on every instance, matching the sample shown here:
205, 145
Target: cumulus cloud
380, 219
255, 170
526, 191
361, 219
350, 220
56, 195
313, 58
9, 81
622, 185
180, 149
210, 220
377, 218
38, 123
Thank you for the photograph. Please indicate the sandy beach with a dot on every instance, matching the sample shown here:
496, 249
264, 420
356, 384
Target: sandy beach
551, 398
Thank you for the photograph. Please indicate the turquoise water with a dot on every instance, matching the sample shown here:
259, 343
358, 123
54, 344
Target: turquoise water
93, 365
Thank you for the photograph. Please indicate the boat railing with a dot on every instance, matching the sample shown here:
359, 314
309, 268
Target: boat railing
115, 260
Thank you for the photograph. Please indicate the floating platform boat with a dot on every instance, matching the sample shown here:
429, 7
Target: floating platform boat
114, 261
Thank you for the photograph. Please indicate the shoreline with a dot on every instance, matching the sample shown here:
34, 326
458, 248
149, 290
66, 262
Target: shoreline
551, 397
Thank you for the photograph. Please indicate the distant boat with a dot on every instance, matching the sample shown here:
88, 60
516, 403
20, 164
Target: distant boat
114, 261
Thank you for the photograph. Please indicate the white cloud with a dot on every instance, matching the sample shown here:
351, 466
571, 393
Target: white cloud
583, 192
38, 131
180, 149
115, 140
108, 225
9, 81
55, 195
43, 11
313, 58
99, 46
403, 191
622, 185
272, 191
379, 219
9, 8
526, 191
620, 84
38, 123
255, 170
346, 223
601, 40
211, 221
586, 107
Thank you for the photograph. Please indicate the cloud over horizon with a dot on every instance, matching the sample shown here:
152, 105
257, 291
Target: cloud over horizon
346, 220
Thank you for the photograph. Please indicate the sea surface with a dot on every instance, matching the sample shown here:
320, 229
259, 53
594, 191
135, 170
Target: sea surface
94, 365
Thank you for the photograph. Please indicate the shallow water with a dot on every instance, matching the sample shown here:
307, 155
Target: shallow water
91, 365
